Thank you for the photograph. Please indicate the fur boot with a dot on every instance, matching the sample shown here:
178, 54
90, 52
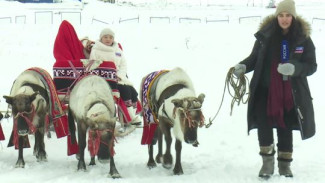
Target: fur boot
267, 153
284, 162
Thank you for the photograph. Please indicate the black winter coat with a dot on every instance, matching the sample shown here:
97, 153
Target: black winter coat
305, 65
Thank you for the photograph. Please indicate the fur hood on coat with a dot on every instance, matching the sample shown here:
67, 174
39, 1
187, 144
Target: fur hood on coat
301, 32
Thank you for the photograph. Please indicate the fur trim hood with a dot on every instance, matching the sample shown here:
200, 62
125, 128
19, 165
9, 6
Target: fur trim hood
268, 26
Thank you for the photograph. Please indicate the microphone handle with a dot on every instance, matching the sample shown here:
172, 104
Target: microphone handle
285, 78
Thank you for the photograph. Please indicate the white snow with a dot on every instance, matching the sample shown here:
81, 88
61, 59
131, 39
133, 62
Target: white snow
205, 51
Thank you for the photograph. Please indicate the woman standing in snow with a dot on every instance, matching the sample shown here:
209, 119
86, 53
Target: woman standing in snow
282, 57
106, 49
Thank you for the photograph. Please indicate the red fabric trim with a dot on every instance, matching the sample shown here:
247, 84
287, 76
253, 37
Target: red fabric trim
93, 142
139, 107
124, 110
73, 147
120, 46
2, 135
61, 126
148, 133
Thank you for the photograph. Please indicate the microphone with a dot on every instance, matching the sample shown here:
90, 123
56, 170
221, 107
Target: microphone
284, 55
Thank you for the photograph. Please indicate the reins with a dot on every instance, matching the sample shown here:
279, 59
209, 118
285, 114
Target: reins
239, 86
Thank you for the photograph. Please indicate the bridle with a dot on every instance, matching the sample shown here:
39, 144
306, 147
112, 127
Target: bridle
29, 120
188, 118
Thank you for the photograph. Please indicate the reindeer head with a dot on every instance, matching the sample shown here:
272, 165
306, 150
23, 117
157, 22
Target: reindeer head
190, 114
99, 117
21, 102
21, 107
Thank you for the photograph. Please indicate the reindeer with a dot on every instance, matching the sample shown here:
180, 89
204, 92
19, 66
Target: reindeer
30, 106
92, 106
174, 105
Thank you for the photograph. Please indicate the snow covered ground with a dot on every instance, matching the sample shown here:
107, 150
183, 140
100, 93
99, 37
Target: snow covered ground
205, 50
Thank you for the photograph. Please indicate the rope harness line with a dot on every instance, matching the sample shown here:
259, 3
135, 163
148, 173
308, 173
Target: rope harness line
239, 86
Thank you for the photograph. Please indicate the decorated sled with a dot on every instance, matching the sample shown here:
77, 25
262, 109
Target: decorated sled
71, 55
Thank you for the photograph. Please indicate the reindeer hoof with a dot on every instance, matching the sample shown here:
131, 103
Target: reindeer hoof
178, 172
151, 164
167, 161
41, 156
81, 165
167, 166
115, 175
159, 158
20, 164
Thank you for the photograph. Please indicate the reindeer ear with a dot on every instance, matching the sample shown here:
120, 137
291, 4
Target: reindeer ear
8, 99
201, 97
32, 97
177, 102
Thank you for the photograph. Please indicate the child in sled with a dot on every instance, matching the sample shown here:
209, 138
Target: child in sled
107, 49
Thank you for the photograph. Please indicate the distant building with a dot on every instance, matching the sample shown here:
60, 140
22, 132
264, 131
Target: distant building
271, 4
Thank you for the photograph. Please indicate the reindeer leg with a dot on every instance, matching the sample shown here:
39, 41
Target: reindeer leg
151, 162
39, 147
160, 146
113, 171
20, 162
178, 170
167, 157
82, 145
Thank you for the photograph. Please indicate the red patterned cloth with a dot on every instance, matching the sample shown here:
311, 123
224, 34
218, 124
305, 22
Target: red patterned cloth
150, 121
2, 135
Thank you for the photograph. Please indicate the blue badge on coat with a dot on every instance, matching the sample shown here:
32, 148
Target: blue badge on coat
284, 51
299, 49
118, 54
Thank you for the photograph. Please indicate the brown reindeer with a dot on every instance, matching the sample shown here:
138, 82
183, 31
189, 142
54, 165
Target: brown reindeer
176, 106
92, 106
29, 102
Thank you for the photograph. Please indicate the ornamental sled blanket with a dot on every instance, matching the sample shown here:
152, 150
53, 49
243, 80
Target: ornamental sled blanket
150, 120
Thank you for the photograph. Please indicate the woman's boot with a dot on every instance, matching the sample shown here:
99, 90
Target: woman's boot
267, 153
284, 162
